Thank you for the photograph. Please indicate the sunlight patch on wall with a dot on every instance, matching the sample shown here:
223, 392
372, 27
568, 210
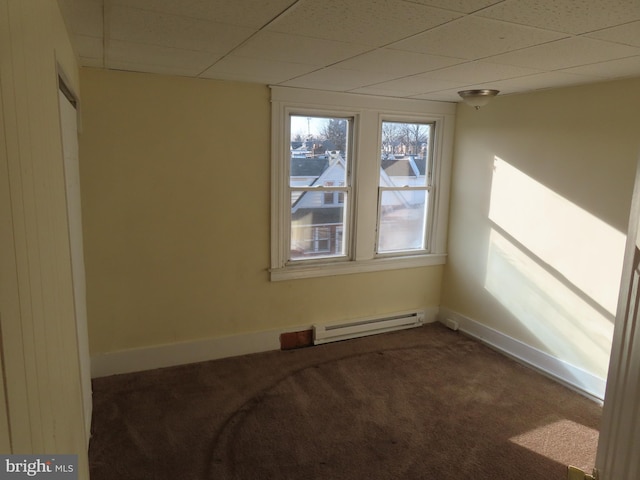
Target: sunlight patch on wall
572, 438
569, 325
554, 267
585, 250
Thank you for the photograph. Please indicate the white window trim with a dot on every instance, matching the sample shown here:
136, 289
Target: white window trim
368, 111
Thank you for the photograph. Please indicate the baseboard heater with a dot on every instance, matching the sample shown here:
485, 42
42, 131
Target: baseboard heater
333, 332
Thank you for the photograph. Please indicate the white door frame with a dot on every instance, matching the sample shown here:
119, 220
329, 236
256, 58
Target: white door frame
618, 456
69, 133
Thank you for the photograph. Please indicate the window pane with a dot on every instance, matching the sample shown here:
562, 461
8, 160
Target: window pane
319, 150
402, 220
319, 158
317, 226
405, 154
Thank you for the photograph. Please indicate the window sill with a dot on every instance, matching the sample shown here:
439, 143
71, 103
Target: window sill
363, 266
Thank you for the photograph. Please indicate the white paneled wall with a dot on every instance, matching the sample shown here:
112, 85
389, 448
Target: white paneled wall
44, 401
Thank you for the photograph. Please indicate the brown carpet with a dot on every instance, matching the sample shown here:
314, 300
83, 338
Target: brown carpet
425, 403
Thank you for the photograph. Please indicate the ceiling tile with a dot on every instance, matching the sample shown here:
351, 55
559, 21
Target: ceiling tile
339, 78
411, 48
624, 67
441, 96
91, 62
480, 72
566, 53
382, 92
397, 61
89, 47
144, 68
256, 70
464, 6
628, 34
539, 81
572, 16
473, 38
84, 17
171, 58
247, 13
141, 26
417, 84
297, 49
369, 22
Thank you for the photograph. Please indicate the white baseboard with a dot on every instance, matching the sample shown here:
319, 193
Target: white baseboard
573, 377
139, 359
159, 356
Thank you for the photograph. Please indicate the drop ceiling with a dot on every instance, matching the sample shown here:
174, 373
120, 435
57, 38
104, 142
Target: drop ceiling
425, 49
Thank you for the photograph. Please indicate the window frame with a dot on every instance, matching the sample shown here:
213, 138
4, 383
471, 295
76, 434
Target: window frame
349, 213
429, 188
367, 113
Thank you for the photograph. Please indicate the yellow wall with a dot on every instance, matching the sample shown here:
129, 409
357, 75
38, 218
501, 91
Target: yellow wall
175, 177
541, 191
39, 344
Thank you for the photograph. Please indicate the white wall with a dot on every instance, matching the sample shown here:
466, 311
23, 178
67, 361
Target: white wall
541, 192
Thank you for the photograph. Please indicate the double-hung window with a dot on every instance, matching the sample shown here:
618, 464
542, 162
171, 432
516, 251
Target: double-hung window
359, 183
405, 183
319, 187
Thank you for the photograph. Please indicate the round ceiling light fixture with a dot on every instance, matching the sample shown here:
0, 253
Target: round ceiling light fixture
477, 98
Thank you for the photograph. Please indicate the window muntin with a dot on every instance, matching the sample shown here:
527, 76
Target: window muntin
404, 186
319, 184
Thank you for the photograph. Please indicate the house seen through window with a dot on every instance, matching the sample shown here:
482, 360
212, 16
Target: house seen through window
320, 184
319, 181
404, 186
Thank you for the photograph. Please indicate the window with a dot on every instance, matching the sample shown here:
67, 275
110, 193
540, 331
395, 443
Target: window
319, 175
359, 183
404, 186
